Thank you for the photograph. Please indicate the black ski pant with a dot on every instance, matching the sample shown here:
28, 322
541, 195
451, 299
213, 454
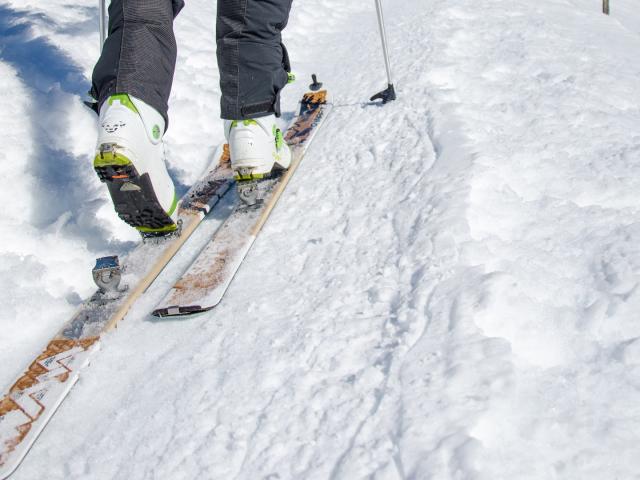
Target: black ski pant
139, 55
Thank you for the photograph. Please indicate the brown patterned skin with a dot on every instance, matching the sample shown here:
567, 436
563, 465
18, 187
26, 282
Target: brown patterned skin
297, 133
30, 378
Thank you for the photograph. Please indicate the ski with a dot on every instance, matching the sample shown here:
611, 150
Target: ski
203, 285
33, 399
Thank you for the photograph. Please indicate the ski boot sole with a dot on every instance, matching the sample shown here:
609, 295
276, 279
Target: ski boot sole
133, 196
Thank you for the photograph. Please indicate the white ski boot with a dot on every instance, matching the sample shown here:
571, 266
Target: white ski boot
257, 147
130, 159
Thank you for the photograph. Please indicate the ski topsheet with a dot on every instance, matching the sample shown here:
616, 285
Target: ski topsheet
201, 288
33, 399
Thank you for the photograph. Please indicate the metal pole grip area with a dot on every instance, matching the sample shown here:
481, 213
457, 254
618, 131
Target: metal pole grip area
103, 22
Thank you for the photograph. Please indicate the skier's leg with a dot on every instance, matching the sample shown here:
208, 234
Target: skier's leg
254, 68
132, 81
139, 55
253, 62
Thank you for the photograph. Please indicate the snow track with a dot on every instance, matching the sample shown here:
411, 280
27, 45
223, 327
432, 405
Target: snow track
447, 289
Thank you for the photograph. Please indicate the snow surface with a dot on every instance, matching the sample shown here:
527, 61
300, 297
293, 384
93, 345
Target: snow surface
448, 289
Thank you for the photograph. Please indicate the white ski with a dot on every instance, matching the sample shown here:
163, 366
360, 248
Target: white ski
203, 285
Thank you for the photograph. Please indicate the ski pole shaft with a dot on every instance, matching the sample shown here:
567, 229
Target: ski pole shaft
389, 94
383, 36
103, 22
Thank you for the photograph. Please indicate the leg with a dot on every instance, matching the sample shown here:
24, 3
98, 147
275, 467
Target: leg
252, 60
139, 54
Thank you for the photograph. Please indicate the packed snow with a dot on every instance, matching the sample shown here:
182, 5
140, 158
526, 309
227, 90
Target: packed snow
448, 288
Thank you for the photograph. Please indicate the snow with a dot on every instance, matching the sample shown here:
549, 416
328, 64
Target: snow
448, 288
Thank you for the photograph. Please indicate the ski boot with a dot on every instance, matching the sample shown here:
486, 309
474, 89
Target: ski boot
130, 160
258, 151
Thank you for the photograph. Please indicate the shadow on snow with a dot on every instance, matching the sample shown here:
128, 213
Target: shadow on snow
66, 194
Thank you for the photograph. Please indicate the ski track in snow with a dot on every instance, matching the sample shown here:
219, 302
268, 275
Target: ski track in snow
446, 290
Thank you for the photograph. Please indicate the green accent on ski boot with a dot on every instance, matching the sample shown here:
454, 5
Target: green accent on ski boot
291, 77
246, 123
174, 204
106, 159
249, 176
167, 229
277, 133
155, 131
124, 100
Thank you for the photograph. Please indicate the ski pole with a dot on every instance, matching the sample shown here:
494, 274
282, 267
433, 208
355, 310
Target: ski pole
389, 93
103, 22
